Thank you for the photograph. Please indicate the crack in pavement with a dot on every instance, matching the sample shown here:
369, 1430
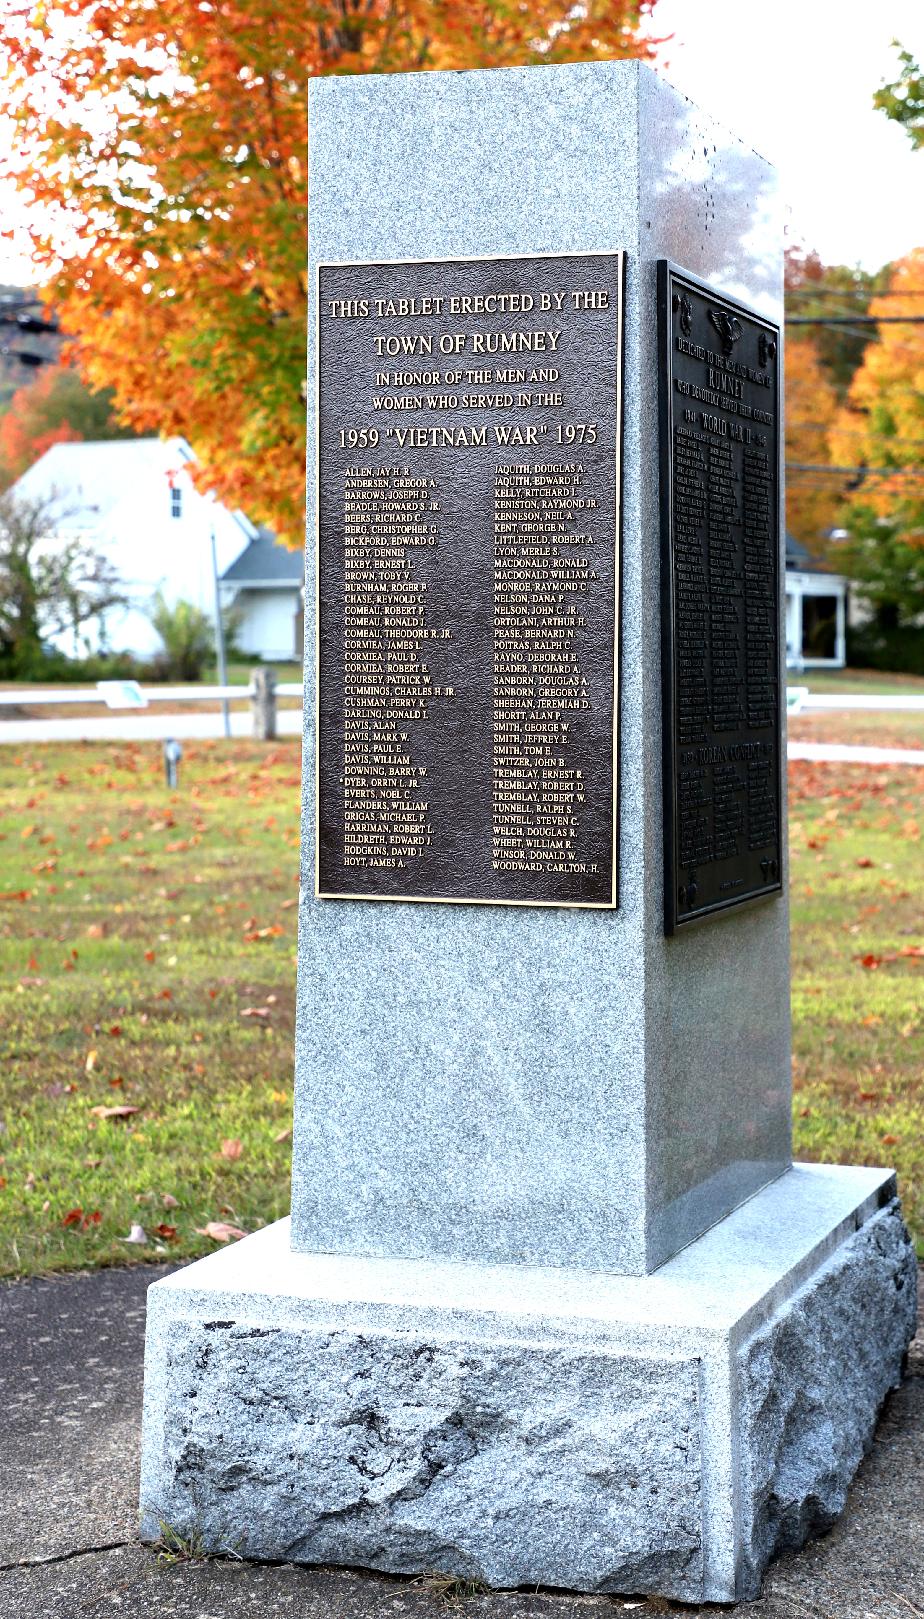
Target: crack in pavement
67, 1557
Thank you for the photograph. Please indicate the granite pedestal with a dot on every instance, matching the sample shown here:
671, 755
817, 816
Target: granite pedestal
523, 1425
553, 1307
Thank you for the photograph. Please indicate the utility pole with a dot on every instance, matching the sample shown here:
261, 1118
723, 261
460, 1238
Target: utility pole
220, 636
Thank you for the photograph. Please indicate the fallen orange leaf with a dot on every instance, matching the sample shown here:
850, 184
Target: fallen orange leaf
219, 1231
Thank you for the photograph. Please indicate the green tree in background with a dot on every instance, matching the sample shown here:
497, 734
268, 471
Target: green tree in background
903, 99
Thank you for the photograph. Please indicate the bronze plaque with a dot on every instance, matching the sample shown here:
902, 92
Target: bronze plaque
723, 737
468, 447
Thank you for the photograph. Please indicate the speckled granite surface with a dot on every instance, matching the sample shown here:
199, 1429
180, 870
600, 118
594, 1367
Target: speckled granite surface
543, 1086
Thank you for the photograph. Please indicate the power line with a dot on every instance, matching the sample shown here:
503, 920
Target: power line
846, 430
869, 293
855, 320
855, 472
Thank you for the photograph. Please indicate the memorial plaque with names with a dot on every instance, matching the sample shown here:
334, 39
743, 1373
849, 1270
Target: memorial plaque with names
468, 461
720, 426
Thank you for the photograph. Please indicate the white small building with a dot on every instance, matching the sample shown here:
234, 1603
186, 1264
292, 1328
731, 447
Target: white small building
264, 590
816, 612
134, 501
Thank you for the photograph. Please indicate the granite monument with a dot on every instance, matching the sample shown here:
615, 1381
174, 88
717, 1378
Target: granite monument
554, 1305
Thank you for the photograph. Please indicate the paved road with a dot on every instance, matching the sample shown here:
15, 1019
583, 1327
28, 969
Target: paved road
70, 1398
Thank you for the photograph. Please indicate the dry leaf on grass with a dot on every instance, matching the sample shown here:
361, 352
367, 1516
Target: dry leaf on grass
219, 1231
231, 1149
124, 1111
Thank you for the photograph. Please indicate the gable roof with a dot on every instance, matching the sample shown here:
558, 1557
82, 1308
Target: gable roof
265, 562
800, 559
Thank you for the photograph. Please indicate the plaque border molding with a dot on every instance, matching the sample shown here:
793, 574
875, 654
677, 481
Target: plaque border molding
667, 273
620, 255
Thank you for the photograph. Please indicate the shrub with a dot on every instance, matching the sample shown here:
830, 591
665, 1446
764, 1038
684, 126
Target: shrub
899, 650
51, 668
188, 636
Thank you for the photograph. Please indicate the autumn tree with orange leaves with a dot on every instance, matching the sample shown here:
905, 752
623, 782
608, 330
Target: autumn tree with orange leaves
165, 148
821, 360
56, 407
813, 497
881, 429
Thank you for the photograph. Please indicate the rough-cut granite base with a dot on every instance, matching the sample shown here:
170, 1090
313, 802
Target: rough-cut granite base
660, 1434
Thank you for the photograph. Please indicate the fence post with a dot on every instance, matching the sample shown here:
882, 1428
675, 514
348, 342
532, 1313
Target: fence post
263, 703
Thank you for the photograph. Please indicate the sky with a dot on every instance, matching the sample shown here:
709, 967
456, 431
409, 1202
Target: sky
795, 79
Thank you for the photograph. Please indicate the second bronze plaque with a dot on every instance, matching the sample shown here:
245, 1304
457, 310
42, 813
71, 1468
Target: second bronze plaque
723, 737
468, 579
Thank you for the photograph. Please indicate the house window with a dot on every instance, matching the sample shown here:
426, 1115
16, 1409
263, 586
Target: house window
819, 627
176, 501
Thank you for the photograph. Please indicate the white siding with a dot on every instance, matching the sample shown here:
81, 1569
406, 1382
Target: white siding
268, 622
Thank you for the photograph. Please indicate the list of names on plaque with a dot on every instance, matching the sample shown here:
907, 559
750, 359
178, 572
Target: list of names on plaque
468, 567
542, 571
388, 692
720, 638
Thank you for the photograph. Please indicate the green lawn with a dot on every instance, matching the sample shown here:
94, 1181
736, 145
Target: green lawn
239, 673
857, 879
148, 963
147, 947
872, 682
868, 727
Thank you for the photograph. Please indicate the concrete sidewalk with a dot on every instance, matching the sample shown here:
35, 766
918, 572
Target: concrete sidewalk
70, 1397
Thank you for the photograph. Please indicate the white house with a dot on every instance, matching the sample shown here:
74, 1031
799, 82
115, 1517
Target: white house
816, 612
263, 588
134, 501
